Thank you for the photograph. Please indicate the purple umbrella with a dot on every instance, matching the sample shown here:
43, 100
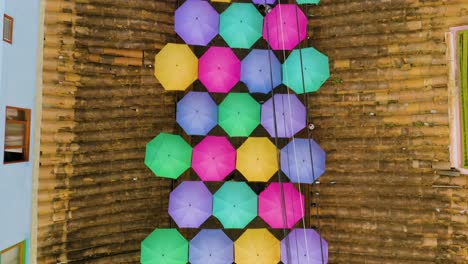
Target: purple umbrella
258, 2
261, 71
196, 22
211, 246
303, 246
190, 204
197, 113
290, 115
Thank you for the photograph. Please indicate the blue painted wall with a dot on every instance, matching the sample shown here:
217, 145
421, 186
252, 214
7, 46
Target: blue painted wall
17, 88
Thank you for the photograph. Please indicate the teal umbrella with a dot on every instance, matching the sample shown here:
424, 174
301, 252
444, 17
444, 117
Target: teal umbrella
315, 70
164, 246
168, 155
307, 1
235, 205
241, 25
239, 114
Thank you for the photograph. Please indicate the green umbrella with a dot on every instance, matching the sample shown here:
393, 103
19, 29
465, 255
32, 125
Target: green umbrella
235, 205
315, 70
239, 114
241, 25
168, 155
307, 1
164, 246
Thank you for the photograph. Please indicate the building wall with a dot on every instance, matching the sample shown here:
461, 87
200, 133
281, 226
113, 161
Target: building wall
18, 80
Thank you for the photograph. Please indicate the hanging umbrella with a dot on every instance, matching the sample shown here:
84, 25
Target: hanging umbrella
307, 1
196, 22
261, 71
296, 160
168, 155
289, 112
257, 159
164, 246
219, 69
315, 70
190, 204
235, 205
197, 113
239, 114
211, 246
303, 246
213, 158
257, 246
259, 2
176, 67
285, 27
241, 25
280, 205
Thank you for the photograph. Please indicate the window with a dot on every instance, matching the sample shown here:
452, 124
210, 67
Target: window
14, 254
17, 127
7, 28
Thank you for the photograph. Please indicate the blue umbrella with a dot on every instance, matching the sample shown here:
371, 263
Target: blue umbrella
211, 246
196, 22
261, 71
296, 160
197, 113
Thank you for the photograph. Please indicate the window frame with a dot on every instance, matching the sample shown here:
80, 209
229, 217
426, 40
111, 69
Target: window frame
22, 251
12, 21
27, 134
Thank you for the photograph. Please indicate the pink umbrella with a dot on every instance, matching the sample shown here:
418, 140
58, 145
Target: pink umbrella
285, 27
219, 69
281, 209
213, 158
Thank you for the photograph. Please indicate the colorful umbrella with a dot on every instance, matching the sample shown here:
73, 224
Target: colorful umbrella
168, 155
307, 1
176, 67
285, 27
190, 204
197, 113
315, 70
241, 25
289, 112
211, 246
239, 114
280, 205
257, 246
196, 22
164, 246
303, 246
261, 71
296, 160
257, 159
235, 205
213, 158
269, 2
219, 69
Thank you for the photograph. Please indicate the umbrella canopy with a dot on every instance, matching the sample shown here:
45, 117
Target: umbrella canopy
285, 27
213, 158
176, 67
239, 114
257, 246
296, 160
257, 159
241, 25
307, 1
261, 71
269, 2
168, 155
197, 113
303, 246
219, 69
190, 204
164, 246
315, 70
289, 112
196, 22
280, 205
211, 246
235, 205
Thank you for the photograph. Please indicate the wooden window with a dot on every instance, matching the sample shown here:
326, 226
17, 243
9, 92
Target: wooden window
14, 254
463, 84
7, 28
17, 130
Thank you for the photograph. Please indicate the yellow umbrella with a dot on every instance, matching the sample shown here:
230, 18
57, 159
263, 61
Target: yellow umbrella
257, 246
257, 159
223, 1
176, 67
